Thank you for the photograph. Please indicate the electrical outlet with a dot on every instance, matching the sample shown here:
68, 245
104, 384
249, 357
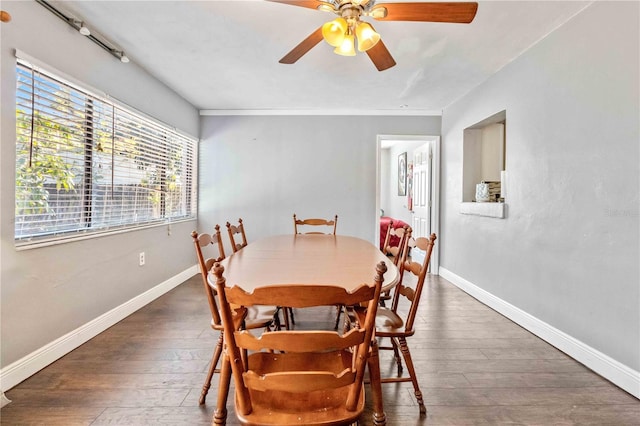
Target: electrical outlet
141, 259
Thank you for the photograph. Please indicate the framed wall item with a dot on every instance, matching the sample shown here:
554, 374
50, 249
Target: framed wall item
410, 186
402, 174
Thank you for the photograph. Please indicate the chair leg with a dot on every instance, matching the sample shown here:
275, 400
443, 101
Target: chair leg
339, 308
348, 321
373, 363
386, 295
212, 368
285, 315
220, 415
404, 348
396, 355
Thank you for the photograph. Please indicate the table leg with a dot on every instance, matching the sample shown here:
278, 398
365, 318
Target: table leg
379, 418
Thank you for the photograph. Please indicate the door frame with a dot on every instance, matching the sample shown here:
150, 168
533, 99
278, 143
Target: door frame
435, 187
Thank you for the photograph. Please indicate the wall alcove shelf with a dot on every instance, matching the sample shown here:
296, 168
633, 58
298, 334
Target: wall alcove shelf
484, 209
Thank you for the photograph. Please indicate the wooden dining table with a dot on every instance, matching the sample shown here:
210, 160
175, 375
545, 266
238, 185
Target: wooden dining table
307, 258
338, 260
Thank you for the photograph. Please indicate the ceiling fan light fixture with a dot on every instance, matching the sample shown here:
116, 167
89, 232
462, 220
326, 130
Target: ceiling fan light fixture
326, 7
347, 47
334, 31
367, 37
378, 12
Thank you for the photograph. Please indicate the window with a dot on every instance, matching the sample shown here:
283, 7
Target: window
86, 164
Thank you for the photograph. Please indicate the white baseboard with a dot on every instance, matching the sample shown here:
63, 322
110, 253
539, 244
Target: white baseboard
23, 368
614, 371
4, 400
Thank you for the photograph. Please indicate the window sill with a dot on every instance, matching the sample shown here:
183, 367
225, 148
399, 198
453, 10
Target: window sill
52, 241
496, 210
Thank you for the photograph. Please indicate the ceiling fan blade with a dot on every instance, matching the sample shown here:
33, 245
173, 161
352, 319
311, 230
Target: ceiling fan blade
380, 56
306, 45
462, 13
310, 4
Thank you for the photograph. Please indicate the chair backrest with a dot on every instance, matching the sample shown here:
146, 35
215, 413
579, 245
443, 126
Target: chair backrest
303, 357
404, 289
396, 252
204, 243
387, 237
315, 222
237, 231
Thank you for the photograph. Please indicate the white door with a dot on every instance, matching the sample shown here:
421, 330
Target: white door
421, 195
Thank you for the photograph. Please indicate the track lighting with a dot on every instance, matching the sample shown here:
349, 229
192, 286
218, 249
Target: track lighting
84, 30
120, 54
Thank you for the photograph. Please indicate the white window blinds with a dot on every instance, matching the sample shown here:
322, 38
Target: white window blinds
87, 164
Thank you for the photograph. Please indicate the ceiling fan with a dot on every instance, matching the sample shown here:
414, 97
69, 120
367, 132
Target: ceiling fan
343, 31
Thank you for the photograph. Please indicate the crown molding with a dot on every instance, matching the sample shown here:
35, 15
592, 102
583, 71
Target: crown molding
344, 112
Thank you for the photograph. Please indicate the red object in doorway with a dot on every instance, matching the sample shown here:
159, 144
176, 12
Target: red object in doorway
385, 221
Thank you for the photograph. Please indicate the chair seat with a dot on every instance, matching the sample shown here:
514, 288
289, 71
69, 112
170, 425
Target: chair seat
320, 407
388, 321
260, 315
257, 317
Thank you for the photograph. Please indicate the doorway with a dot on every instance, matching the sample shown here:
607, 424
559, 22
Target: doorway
419, 206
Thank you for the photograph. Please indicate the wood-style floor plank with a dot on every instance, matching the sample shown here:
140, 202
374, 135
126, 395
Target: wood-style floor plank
475, 367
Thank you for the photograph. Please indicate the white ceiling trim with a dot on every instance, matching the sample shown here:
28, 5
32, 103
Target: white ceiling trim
389, 112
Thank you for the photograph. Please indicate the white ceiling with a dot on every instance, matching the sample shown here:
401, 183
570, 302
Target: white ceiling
223, 55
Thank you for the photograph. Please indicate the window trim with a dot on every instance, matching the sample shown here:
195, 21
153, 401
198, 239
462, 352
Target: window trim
28, 244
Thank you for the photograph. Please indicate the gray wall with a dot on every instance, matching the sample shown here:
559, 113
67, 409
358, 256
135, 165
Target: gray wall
265, 168
48, 292
567, 253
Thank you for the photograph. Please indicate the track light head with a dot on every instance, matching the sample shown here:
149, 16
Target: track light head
84, 30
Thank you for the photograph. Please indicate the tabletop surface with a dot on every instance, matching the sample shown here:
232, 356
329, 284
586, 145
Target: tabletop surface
307, 259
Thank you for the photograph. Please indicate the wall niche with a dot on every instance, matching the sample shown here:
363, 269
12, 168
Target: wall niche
484, 167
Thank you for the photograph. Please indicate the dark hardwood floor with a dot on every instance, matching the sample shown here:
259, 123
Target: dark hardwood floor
475, 368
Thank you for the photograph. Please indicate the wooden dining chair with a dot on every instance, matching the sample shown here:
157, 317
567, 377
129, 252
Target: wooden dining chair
301, 377
257, 318
237, 231
396, 322
313, 222
331, 224
394, 251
